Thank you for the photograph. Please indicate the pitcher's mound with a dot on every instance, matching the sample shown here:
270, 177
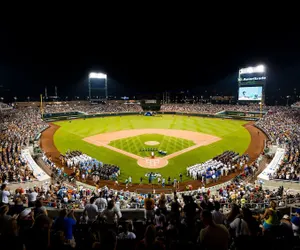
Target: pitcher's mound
152, 163
151, 143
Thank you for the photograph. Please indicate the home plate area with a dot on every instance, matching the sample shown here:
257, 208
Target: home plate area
152, 162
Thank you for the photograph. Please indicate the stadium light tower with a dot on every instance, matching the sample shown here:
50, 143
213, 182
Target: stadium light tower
94, 75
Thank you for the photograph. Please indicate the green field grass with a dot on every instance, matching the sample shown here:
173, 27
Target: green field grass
234, 137
136, 144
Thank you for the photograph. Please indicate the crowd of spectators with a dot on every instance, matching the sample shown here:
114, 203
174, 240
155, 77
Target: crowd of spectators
109, 107
296, 104
282, 125
4, 106
18, 129
207, 108
188, 219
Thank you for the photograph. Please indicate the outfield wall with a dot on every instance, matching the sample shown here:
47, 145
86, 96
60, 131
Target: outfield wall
78, 115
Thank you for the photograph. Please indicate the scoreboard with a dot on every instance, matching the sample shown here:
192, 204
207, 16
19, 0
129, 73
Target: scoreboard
151, 105
251, 83
97, 86
252, 76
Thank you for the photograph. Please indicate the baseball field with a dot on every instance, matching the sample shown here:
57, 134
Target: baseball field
128, 141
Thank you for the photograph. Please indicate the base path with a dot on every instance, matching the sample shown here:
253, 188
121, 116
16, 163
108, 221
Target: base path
254, 149
199, 139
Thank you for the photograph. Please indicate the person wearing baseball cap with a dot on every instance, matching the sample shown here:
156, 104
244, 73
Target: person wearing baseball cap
286, 226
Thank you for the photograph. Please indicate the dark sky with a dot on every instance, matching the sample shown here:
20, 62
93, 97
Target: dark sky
140, 51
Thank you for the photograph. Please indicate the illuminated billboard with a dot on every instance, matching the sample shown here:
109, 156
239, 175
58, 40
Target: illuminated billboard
251, 70
255, 76
250, 93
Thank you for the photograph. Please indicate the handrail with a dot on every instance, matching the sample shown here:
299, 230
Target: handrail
284, 180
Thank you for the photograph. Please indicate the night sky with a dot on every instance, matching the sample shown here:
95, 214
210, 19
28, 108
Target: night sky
141, 53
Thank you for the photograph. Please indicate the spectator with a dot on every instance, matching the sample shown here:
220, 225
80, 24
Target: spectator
69, 222
127, 234
4, 219
213, 236
149, 241
217, 216
271, 217
4, 194
112, 214
149, 208
296, 223
32, 197
286, 227
92, 210
39, 209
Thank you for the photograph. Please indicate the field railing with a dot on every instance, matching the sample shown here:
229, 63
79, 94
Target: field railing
78, 115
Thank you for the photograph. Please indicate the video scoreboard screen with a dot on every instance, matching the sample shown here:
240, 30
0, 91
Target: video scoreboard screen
98, 88
98, 83
250, 93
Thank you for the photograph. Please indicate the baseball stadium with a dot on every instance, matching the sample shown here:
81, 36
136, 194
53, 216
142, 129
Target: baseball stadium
132, 166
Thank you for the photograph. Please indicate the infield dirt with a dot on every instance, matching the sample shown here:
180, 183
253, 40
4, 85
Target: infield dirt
199, 139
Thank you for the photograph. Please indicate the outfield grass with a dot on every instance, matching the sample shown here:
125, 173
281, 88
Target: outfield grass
136, 144
234, 137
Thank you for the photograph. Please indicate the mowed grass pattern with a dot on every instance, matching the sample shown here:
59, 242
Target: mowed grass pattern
135, 144
234, 137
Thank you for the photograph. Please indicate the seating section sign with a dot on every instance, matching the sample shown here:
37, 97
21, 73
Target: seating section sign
150, 101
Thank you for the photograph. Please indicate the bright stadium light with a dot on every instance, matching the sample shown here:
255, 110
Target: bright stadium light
97, 75
250, 70
260, 68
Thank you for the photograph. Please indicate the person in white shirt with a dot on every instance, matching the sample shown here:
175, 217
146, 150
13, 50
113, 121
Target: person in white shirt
92, 210
101, 203
112, 213
130, 180
217, 216
32, 197
240, 227
4, 194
